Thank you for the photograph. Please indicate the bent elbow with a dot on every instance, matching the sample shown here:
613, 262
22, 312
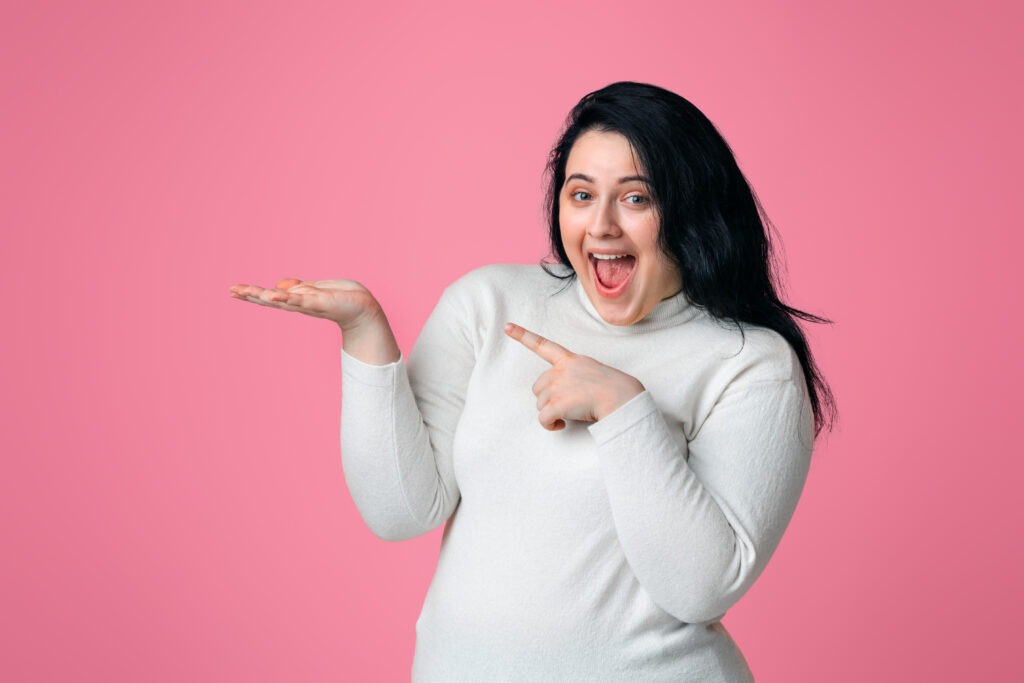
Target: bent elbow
400, 526
393, 533
703, 611
704, 594
387, 512
392, 527
694, 603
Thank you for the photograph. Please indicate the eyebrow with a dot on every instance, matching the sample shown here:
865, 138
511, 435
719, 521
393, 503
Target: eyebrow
627, 179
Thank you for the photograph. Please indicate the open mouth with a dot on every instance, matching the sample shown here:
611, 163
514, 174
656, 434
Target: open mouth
612, 272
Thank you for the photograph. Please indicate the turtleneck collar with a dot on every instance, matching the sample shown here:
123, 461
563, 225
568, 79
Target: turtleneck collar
669, 312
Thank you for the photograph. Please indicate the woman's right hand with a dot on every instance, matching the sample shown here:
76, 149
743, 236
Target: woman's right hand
366, 334
346, 302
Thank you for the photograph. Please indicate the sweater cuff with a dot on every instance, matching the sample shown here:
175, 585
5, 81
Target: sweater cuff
371, 375
623, 418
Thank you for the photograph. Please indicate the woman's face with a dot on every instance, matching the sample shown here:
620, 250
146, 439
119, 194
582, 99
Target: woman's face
609, 228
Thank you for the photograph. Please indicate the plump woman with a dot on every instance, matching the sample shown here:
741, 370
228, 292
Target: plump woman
616, 439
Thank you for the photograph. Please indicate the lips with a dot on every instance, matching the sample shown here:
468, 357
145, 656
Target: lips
612, 273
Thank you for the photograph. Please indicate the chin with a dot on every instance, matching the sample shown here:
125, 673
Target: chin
614, 316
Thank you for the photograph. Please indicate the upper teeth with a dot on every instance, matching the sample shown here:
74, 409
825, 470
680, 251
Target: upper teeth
609, 257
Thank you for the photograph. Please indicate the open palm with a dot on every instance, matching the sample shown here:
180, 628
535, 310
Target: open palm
366, 334
346, 302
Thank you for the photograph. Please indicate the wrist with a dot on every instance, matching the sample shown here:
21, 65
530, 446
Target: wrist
620, 398
371, 339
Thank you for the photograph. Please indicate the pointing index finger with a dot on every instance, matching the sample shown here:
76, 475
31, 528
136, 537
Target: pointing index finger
545, 348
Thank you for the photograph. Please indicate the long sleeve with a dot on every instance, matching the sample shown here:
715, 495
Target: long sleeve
598, 552
398, 424
699, 523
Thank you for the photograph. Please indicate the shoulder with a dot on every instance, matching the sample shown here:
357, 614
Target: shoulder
479, 303
753, 377
502, 274
767, 356
751, 353
502, 281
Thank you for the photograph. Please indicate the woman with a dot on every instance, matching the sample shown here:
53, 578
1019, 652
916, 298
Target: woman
618, 466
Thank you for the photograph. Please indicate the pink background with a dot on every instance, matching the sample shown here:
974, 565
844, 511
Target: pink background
172, 506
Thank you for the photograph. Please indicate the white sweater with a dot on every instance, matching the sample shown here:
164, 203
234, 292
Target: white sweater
602, 552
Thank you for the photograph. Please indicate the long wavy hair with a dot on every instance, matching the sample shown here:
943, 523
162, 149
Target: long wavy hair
712, 224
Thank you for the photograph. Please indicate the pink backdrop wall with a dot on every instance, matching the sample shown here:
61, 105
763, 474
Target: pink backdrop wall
171, 502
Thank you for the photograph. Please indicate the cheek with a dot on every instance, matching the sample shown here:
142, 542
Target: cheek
663, 268
645, 236
651, 229
669, 275
570, 230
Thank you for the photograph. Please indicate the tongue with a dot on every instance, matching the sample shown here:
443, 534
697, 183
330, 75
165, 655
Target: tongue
614, 272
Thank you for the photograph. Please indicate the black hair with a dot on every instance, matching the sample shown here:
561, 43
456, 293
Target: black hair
711, 222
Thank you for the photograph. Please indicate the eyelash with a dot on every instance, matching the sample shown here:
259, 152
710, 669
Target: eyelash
583, 195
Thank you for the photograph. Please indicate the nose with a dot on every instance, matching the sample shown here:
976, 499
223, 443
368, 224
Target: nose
605, 222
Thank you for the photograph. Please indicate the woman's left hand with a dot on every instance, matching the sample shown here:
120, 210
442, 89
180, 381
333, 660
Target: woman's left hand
576, 387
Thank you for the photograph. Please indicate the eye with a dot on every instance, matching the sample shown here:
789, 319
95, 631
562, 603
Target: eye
637, 199
581, 195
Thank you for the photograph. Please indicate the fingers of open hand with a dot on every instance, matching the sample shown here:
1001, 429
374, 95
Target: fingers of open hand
339, 284
306, 299
251, 293
239, 291
300, 297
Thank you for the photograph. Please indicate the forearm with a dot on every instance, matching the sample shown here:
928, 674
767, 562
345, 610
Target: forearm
390, 466
697, 533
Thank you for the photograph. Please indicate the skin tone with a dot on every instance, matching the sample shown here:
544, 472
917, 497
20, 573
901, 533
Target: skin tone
576, 387
604, 208
366, 334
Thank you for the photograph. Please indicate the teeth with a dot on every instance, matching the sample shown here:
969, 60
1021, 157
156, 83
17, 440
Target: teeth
609, 257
